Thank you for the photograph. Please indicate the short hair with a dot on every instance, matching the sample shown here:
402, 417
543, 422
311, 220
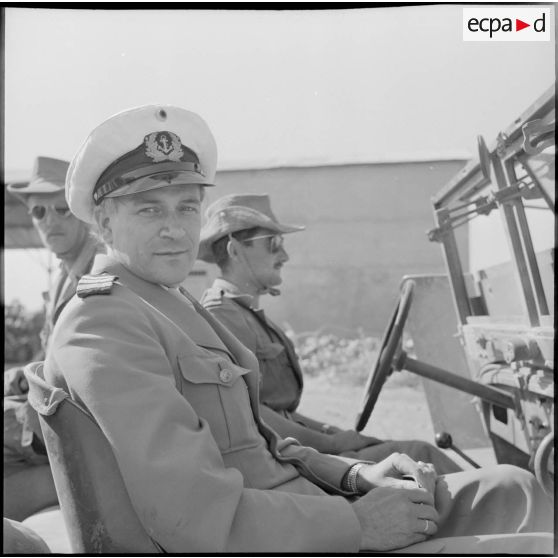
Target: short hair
219, 247
107, 206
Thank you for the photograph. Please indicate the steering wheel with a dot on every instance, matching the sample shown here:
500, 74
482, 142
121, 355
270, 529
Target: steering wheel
544, 463
385, 361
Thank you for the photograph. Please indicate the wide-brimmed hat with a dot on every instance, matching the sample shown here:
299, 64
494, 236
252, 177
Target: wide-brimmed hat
238, 212
140, 149
48, 177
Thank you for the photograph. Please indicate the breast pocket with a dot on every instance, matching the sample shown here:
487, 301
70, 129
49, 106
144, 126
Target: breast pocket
278, 387
214, 386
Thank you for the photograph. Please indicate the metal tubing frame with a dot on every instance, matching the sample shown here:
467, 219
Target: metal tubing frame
454, 267
527, 242
515, 245
486, 393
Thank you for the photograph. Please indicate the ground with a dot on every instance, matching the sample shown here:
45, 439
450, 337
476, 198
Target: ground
400, 413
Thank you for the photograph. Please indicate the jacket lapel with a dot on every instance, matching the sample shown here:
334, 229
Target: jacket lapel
241, 355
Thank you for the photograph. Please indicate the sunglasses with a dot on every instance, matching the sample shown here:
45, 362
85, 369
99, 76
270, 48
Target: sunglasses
39, 211
275, 241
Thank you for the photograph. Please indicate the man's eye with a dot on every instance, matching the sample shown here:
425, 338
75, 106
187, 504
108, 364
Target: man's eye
149, 211
189, 209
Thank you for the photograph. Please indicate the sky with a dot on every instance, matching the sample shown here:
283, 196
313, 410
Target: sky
276, 87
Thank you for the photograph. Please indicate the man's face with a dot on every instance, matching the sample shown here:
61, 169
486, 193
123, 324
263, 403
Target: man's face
155, 234
61, 234
266, 257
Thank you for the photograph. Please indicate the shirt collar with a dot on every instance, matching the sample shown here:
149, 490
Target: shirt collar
230, 290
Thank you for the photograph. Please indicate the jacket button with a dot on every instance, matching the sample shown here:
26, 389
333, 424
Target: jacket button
225, 376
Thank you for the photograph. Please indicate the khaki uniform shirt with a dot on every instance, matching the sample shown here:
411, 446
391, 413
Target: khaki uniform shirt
282, 381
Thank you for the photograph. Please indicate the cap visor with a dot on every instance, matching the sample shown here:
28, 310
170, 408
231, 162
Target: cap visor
160, 180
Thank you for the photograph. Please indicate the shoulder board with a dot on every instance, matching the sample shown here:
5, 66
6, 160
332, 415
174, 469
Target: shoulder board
95, 285
212, 297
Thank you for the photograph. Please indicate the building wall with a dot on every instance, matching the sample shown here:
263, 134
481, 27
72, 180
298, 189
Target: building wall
366, 228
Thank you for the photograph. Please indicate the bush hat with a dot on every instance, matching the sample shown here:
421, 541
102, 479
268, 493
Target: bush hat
48, 177
140, 149
238, 212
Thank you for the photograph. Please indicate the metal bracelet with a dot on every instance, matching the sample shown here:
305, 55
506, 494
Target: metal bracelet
352, 477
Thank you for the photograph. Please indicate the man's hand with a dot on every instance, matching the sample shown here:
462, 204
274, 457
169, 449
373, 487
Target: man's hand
15, 382
350, 440
392, 518
398, 470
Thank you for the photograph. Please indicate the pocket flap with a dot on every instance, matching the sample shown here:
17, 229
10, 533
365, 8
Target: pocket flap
209, 369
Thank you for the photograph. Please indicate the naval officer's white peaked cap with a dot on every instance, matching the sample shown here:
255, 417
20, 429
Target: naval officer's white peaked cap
137, 150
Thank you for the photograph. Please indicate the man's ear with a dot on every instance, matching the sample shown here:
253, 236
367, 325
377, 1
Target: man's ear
104, 226
233, 247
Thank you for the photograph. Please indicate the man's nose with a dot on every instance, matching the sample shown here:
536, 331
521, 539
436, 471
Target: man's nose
51, 216
173, 227
283, 254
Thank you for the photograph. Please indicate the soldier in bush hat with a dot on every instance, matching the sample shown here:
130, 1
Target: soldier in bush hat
28, 485
66, 236
244, 238
177, 394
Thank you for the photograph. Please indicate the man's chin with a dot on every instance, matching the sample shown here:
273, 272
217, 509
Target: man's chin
174, 278
58, 249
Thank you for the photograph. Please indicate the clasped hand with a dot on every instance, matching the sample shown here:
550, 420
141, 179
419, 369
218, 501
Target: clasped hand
396, 511
398, 471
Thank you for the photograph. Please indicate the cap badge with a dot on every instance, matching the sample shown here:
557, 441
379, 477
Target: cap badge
163, 146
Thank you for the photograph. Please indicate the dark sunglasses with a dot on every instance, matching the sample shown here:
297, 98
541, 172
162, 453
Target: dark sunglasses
39, 211
275, 241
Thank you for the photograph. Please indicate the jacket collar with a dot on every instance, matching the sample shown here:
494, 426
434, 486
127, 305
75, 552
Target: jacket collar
166, 303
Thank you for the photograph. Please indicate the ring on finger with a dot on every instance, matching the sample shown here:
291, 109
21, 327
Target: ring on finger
426, 526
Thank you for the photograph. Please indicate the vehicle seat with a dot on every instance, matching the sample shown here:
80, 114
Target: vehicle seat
95, 504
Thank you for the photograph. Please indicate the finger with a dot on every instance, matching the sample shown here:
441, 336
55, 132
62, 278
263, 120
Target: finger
407, 484
427, 468
425, 511
405, 465
426, 527
420, 496
425, 478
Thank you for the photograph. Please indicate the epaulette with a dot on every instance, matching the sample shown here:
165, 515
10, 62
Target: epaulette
212, 297
95, 285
